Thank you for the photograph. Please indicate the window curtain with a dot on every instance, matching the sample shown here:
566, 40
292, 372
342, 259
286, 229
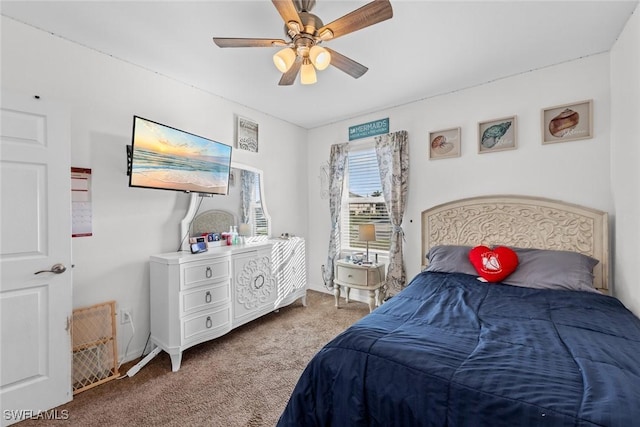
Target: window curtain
392, 151
337, 165
247, 194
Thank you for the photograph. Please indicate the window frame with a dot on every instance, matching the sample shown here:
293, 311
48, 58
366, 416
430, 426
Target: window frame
348, 236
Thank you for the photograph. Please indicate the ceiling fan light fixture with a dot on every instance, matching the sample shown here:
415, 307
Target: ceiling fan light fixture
304, 30
320, 57
284, 59
307, 73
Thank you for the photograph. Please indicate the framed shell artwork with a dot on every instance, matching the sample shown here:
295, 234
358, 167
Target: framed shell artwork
246, 134
497, 135
444, 144
568, 122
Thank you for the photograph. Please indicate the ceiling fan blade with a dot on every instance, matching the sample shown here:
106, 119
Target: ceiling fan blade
287, 9
240, 42
369, 14
348, 65
289, 77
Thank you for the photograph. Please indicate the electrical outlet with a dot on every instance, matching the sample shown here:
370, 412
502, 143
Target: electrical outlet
125, 316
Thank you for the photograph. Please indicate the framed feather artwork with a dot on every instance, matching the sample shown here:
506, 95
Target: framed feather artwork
497, 135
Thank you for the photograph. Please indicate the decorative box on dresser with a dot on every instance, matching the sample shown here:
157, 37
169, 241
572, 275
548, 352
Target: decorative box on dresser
199, 297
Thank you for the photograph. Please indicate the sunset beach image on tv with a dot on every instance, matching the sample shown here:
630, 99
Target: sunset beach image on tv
167, 158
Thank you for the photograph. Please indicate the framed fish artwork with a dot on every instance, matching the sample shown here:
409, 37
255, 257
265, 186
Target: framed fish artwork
444, 144
568, 122
497, 135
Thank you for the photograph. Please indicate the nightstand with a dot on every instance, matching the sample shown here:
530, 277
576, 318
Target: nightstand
366, 276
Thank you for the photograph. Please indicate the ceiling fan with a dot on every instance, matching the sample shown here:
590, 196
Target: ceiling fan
302, 52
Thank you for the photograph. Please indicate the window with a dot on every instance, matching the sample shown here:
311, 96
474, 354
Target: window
363, 202
261, 228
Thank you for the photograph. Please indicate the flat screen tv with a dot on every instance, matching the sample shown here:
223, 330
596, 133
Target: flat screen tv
166, 158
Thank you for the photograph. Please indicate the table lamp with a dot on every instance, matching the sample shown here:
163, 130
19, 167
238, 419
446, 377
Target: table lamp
367, 233
244, 230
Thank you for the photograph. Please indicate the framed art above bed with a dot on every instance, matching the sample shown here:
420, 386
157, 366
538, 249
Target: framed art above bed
497, 135
568, 122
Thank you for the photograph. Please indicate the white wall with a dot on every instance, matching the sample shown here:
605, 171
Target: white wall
577, 171
625, 158
129, 224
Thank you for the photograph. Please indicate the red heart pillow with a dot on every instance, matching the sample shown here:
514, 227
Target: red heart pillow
493, 265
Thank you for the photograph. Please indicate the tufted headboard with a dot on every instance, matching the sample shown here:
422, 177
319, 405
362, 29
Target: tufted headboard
212, 220
522, 221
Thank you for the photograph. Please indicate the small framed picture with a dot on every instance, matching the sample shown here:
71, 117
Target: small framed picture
497, 135
568, 122
246, 134
444, 144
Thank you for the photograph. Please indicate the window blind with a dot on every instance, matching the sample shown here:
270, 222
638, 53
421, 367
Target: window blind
363, 202
261, 227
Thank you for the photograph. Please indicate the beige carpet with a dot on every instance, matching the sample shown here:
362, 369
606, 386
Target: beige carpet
241, 379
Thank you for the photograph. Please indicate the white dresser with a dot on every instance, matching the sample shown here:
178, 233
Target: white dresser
199, 297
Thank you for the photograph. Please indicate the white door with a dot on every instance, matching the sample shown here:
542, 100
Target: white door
35, 307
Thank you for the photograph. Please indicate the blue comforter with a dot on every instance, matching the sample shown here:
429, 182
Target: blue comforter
452, 351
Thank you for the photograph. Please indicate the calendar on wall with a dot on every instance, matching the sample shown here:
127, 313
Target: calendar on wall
81, 215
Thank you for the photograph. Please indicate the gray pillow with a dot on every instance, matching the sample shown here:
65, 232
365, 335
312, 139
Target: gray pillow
537, 268
450, 259
549, 269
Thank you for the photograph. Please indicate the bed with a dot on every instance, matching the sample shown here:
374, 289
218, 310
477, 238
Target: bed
451, 350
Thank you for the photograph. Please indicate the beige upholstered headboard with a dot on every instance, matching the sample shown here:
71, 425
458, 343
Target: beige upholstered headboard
212, 220
521, 221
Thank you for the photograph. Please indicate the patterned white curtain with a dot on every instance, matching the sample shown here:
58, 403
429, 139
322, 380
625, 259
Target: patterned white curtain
247, 193
337, 165
392, 151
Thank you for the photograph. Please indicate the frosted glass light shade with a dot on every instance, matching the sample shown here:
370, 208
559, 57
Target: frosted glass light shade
320, 57
308, 74
284, 59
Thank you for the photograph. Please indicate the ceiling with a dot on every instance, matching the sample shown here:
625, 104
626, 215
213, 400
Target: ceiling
428, 48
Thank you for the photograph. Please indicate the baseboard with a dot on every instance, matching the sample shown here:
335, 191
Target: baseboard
133, 354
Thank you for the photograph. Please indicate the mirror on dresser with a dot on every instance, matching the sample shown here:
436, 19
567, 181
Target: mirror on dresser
245, 204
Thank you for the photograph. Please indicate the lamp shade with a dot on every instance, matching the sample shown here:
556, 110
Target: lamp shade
244, 229
320, 57
367, 232
284, 59
307, 73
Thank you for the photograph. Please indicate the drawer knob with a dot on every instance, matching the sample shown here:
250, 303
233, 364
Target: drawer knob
349, 275
209, 323
258, 281
208, 272
207, 297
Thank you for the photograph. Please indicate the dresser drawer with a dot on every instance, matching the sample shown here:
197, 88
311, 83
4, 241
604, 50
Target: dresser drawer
201, 272
213, 322
200, 298
352, 275
361, 277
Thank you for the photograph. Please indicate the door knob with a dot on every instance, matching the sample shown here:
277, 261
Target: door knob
56, 269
